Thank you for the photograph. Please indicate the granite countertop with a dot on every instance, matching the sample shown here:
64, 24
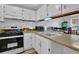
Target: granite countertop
68, 40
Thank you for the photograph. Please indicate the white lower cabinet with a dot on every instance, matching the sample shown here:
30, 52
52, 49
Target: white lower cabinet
57, 48
38, 44
27, 41
43, 45
50, 47
33, 40
70, 51
46, 46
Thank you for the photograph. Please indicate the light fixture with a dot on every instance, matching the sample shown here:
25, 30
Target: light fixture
48, 18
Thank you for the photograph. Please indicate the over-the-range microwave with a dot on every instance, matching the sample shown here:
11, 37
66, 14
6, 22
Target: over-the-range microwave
40, 28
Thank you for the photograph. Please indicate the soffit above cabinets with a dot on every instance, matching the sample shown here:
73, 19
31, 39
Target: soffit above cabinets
28, 6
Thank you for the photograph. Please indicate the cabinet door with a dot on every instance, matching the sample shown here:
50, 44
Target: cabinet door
13, 12
9, 11
57, 48
50, 47
27, 41
25, 14
69, 51
39, 15
46, 47
74, 20
54, 10
33, 40
69, 7
38, 44
28, 14
42, 12
31, 15
18, 13
1, 12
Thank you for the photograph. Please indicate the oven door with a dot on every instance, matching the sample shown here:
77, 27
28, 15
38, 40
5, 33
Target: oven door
12, 43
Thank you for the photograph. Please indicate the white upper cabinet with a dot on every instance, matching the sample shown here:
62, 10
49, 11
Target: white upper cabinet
38, 16
18, 12
13, 12
32, 15
25, 14
69, 7
28, 14
54, 10
45, 46
1, 12
42, 12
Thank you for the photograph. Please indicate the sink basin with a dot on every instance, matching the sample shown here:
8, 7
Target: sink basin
53, 34
50, 34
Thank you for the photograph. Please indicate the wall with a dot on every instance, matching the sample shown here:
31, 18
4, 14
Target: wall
52, 22
8, 23
57, 22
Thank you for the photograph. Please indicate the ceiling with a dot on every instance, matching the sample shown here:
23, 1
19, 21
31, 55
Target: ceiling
28, 6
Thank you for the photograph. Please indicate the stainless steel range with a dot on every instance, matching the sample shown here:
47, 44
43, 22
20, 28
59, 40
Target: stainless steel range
11, 41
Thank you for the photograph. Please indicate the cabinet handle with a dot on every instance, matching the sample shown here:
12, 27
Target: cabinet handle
49, 49
60, 8
4, 11
40, 44
65, 7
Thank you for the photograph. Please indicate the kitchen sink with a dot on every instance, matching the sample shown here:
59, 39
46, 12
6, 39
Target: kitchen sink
52, 34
